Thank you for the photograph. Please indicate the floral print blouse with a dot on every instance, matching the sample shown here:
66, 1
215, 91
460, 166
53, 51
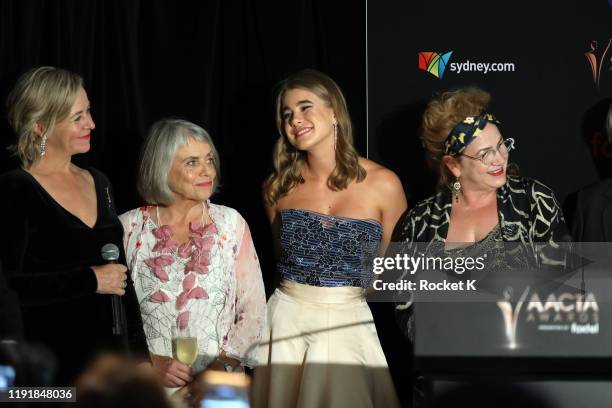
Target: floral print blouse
211, 283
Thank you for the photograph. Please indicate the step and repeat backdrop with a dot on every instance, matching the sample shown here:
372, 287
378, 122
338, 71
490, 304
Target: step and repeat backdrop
548, 66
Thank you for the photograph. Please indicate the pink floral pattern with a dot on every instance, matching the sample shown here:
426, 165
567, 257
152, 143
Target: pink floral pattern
182, 319
159, 297
164, 239
197, 248
211, 283
157, 265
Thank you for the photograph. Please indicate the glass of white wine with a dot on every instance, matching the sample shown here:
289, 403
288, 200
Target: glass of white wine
184, 344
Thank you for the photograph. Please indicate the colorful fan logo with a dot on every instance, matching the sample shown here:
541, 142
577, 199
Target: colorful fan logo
433, 62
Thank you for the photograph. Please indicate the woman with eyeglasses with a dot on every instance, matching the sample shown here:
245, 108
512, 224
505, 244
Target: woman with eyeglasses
479, 206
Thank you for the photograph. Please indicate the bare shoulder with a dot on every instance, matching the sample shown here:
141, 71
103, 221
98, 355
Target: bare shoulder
381, 178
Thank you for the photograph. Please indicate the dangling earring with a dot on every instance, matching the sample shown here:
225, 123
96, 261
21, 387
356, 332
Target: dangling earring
456, 187
42, 147
335, 135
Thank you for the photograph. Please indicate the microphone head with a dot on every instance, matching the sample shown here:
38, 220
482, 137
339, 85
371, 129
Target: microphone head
110, 252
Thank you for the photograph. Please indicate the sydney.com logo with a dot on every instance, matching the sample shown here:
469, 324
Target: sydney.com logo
436, 64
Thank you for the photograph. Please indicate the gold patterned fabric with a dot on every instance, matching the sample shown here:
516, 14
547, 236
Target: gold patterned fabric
466, 131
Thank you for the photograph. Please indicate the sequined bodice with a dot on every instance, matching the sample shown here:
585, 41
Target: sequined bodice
326, 250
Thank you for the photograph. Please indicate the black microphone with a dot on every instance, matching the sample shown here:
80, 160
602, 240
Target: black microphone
110, 253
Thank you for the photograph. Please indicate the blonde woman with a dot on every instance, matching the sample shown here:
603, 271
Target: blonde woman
57, 217
333, 211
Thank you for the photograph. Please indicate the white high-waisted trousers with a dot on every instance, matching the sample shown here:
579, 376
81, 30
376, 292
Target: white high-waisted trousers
320, 349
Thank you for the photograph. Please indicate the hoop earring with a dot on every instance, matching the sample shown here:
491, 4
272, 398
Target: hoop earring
42, 147
456, 188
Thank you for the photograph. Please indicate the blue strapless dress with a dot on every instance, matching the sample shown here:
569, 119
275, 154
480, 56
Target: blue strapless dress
320, 346
325, 250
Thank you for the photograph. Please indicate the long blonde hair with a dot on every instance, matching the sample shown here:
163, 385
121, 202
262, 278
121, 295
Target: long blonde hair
288, 160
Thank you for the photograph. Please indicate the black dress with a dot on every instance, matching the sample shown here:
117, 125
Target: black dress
46, 255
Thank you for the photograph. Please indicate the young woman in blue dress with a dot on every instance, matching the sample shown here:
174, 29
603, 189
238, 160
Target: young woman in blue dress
332, 212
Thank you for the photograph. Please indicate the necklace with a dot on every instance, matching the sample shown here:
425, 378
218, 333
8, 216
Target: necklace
193, 257
159, 222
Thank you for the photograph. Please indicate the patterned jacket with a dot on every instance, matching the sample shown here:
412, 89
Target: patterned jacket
529, 215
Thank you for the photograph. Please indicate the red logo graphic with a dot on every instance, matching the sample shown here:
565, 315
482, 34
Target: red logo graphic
433, 62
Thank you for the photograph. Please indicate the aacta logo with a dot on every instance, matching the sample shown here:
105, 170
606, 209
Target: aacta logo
598, 58
574, 313
510, 313
433, 62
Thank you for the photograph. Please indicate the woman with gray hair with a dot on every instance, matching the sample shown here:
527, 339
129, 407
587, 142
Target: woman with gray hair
193, 263
57, 217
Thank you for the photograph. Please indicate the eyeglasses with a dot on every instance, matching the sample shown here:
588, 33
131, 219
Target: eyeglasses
503, 148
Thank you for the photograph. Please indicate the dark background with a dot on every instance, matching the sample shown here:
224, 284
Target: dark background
216, 62
212, 62
550, 104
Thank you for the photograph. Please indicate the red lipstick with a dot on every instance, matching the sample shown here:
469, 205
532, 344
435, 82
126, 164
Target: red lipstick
498, 172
